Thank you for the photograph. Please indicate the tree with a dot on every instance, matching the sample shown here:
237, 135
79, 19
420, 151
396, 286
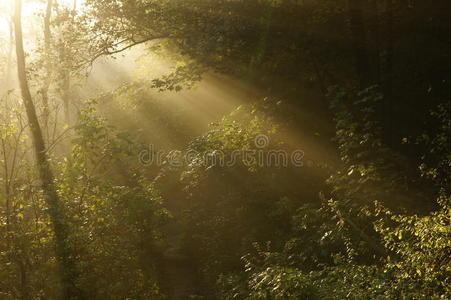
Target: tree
358, 35
63, 253
48, 67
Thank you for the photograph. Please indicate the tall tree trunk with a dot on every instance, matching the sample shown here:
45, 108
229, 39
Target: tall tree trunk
7, 186
262, 45
24, 282
374, 24
389, 72
48, 64
357, 27
66, 95
63, 255
65, 73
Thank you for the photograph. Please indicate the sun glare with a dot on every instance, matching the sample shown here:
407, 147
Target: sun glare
30, 8
4, 26
5, 12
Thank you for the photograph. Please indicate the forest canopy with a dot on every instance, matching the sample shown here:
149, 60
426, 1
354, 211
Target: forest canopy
225, 149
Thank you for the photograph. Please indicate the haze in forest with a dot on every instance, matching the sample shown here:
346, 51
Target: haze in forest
209, 149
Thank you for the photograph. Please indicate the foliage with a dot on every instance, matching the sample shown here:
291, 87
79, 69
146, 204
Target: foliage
118, 219
357, 219
413, 263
